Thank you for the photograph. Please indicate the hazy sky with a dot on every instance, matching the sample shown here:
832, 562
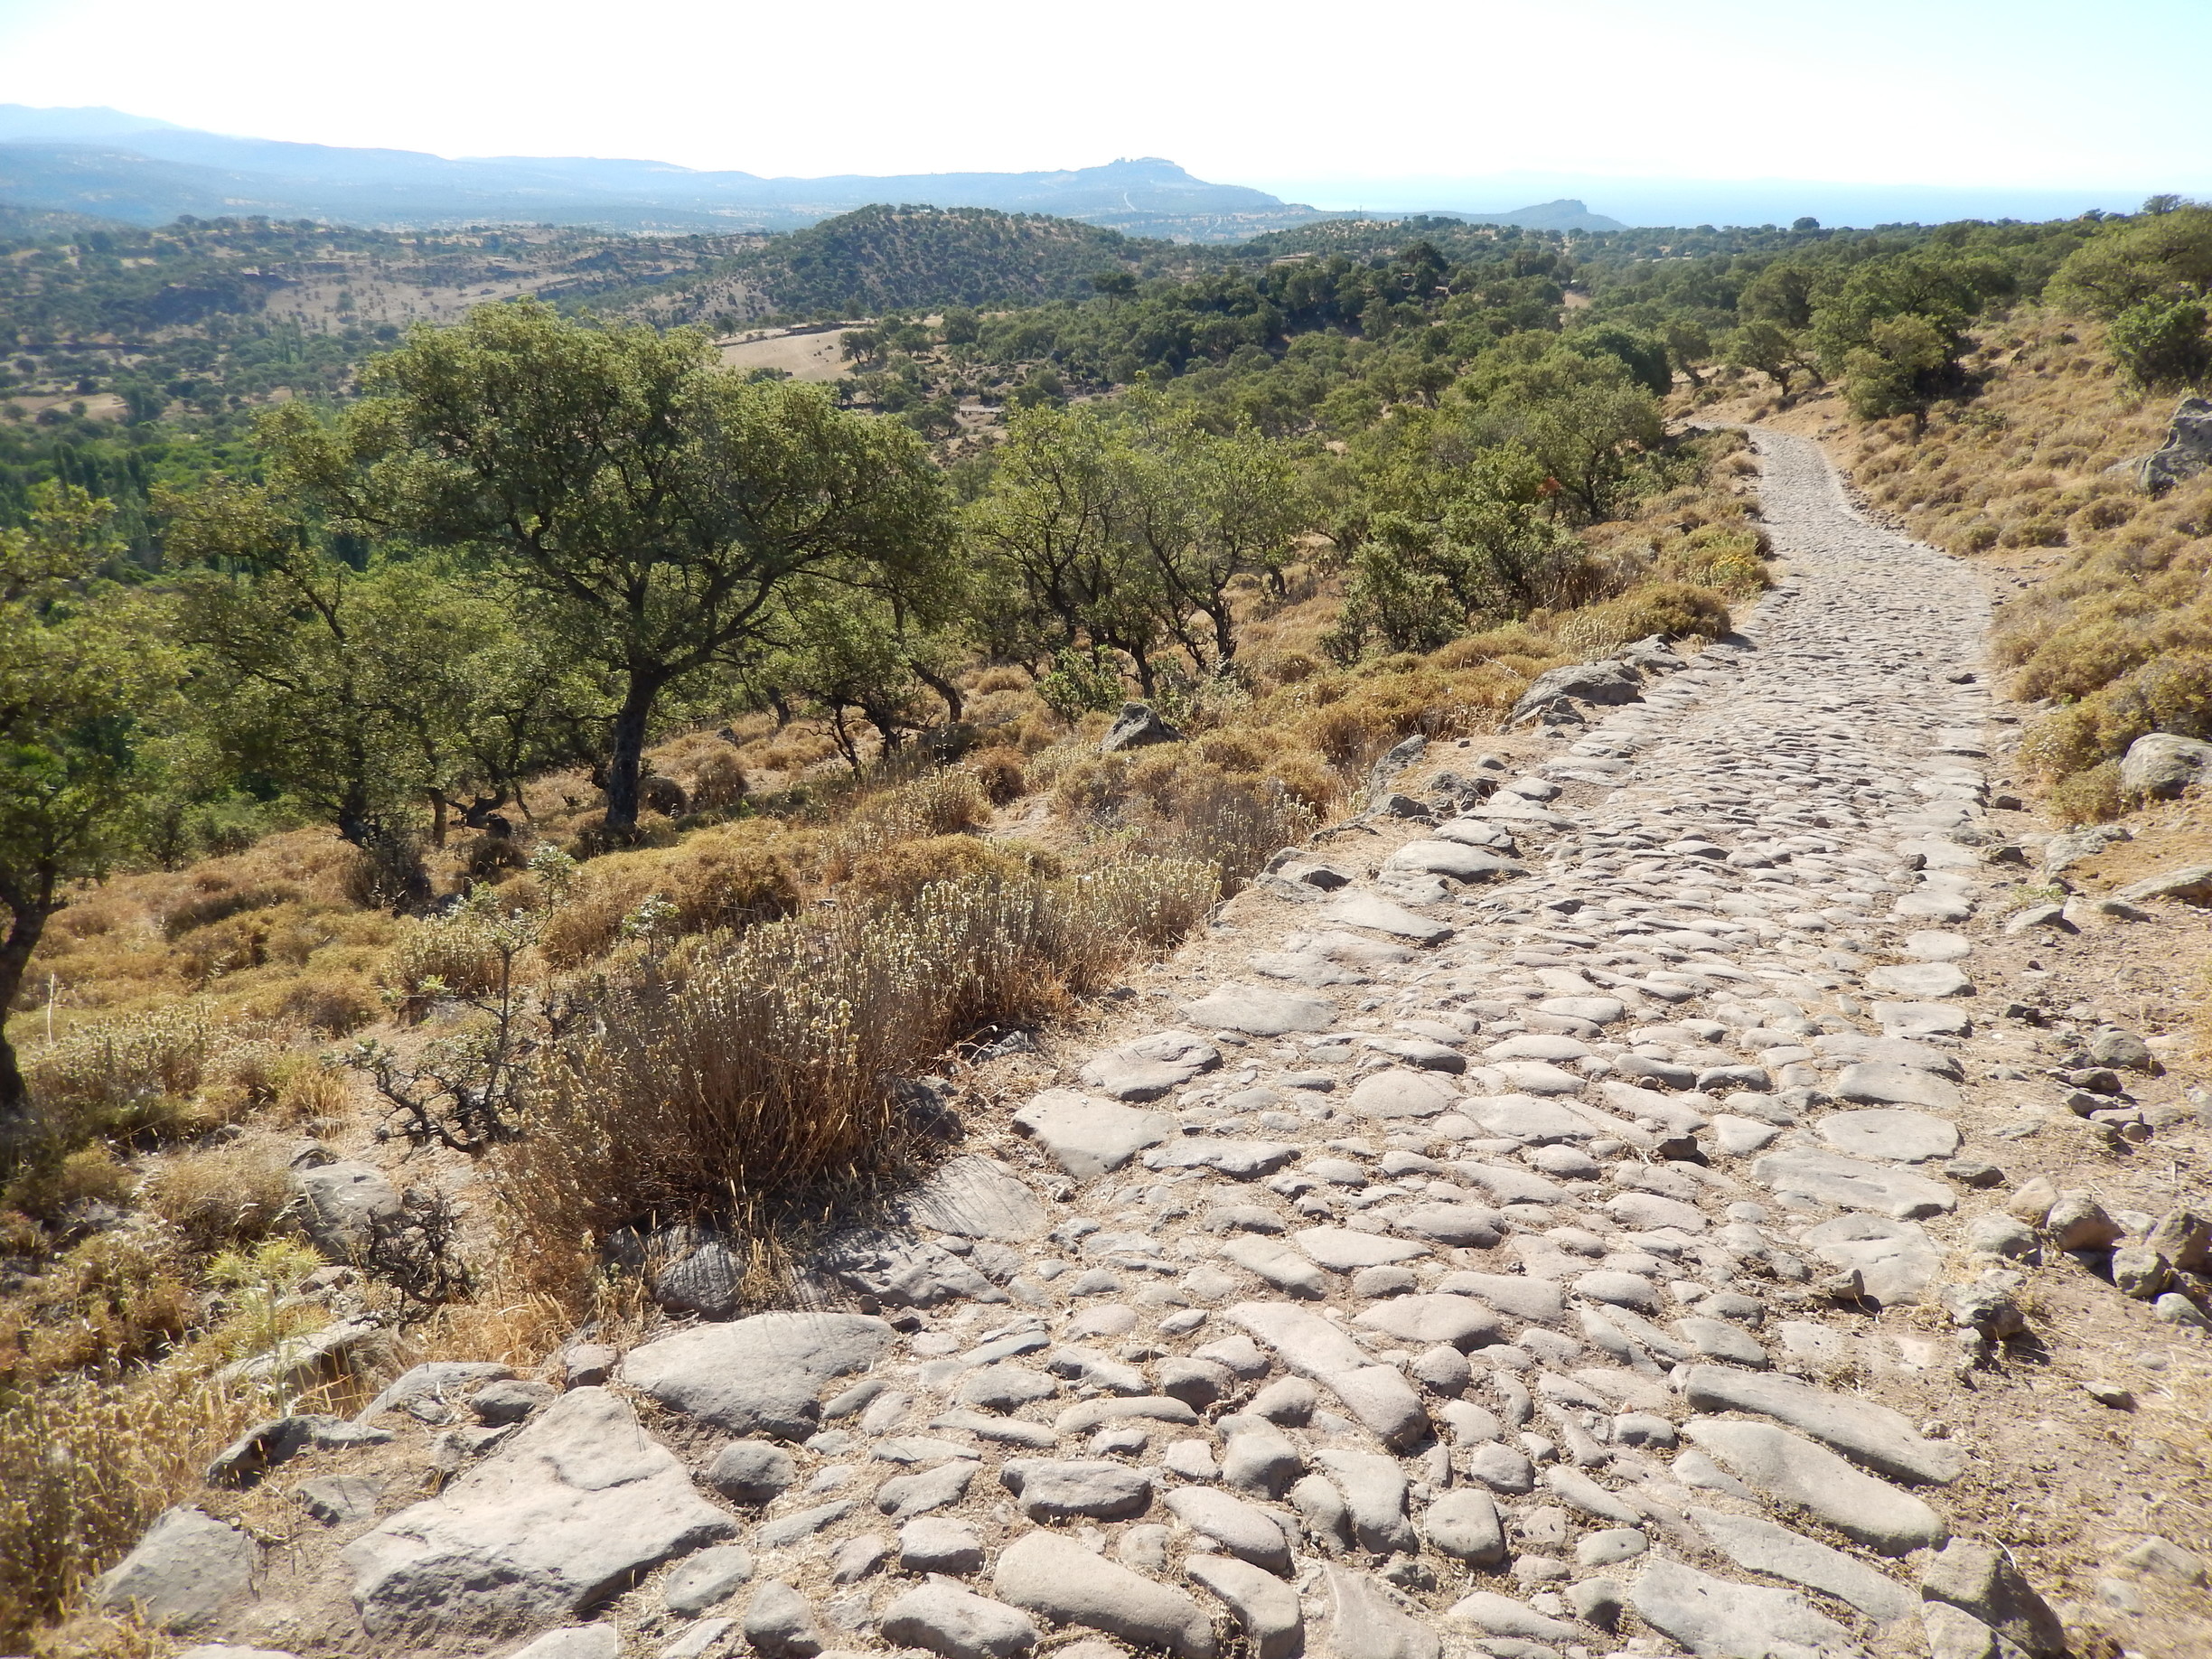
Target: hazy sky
1317, 102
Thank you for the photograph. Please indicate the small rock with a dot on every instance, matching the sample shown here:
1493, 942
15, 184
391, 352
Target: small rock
2078, 1222
1983, 1580
938, 1544
2109, 1393
954, 1623
752, 1472
1137, 725
510, 1401
710, 1577
2175, 1308
2162, 1560
1045, 1574
2141, 1273
1263, 1604
780, 1624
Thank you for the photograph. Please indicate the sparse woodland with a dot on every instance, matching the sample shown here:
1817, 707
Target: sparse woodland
615, 777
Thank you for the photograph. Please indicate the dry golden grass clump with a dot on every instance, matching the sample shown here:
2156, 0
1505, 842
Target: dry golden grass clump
744, 1079
729, 878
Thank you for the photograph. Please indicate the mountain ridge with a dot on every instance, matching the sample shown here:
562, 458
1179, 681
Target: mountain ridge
106, 163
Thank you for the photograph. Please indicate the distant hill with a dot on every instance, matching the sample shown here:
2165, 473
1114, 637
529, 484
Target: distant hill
902, 259
115, 165
109, 164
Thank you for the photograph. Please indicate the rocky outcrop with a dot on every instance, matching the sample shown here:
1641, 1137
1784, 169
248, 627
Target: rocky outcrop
2187, 451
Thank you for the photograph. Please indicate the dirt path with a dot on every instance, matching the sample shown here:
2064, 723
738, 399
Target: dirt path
1603, 1219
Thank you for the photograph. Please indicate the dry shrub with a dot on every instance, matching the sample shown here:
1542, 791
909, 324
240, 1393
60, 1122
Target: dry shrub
718, 782
123, 1075
83, 1471
1513, 642
1234, 824
1729, 559
900, 871
1673, 610
56, 1186
724, 878
2091, 797
118, 1297
1001, 679
751, 1075
1232, 751
332, 1004
218, 900
451, 956
999, 770
221, 1196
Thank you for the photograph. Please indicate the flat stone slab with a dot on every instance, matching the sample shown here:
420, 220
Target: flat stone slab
1309, 1345
1056, 1577
1848, 1183
1538, 1300
1397, 1092
1719, 1617
1367, 1623
1526, 1118
1258, 1011
1470, 1225
1307, 968
1893, 1051
1920, 982
1895, 1260
573, 1509
1277, 1263
1538, 1077
1239, 1528
1907, 1137
1371, 911
1929, 945
1883, 1083
974, 1198
760, 1375
1763, 1547
1864, 1431
1455, 860
1791, 1469
1432, 1319
1342, 1251
1088, 1136
1243, 1159
1150, 1066
1918, 1019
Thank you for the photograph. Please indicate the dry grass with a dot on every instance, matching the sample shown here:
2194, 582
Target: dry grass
83, 1470
752, 1079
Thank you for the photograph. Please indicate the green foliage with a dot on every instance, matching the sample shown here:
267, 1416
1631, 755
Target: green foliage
1478, 545
901, 259
1081, 682
2162, 343
649, 512
2163, 255
73, 688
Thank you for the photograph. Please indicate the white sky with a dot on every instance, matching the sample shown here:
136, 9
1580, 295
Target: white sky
1313, 100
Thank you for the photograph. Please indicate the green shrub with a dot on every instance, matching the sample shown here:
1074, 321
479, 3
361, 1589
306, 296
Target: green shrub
2162, 343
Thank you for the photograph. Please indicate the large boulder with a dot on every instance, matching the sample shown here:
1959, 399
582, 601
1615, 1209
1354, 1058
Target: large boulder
2164, 765
182, 1572
2187, 451
1608, 681
1137, 725
342, 1203
579, 1504
760, 1375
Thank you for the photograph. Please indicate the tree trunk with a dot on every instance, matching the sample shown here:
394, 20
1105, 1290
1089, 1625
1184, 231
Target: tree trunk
437, 818
955, 703
27, 921
626, 754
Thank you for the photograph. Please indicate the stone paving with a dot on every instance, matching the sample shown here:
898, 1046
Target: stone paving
1459, 1274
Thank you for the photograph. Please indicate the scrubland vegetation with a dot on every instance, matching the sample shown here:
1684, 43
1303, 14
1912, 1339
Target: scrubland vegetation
615, 779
